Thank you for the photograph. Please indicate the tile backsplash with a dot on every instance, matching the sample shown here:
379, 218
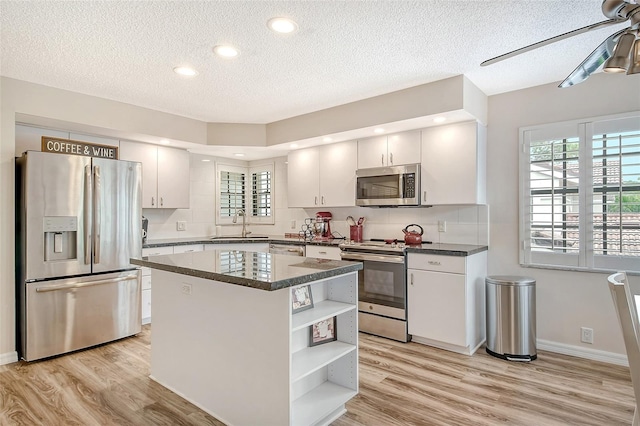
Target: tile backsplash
465, 224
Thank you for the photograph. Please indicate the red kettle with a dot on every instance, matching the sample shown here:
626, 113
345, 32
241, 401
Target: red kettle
412, 237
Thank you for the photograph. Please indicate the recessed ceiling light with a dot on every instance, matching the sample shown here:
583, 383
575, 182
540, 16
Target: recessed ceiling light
282, 25
186, 71
378, 130
440, 119
327, 139
239, 154
226, 51
205, 160
293, 145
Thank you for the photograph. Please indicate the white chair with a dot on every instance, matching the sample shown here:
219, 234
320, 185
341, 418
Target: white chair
626, 298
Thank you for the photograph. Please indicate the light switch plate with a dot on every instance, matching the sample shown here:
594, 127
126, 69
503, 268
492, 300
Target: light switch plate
181, 225
442, 226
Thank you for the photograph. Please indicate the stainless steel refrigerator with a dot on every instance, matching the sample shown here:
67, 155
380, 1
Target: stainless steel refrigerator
78, 224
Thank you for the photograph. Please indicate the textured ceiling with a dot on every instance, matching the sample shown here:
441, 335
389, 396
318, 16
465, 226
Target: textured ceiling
343, 52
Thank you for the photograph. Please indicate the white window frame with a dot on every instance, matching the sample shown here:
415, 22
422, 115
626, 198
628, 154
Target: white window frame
248, 196
584, 130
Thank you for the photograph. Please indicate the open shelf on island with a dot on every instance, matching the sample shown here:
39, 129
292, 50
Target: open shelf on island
319, 402
320, 311
311, 359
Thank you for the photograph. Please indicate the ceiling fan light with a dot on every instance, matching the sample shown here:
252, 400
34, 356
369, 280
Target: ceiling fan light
619, 61
634, 67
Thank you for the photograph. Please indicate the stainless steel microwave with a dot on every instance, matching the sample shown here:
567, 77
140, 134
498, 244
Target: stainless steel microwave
388, 186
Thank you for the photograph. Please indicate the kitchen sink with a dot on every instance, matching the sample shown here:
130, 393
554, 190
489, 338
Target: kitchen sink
237, 237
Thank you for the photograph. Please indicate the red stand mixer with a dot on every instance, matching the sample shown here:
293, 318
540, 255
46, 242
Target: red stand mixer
323, 230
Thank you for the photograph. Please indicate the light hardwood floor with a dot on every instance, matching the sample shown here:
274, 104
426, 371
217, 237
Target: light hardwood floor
400, 384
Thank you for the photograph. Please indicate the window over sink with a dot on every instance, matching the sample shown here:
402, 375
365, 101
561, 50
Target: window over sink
249, 189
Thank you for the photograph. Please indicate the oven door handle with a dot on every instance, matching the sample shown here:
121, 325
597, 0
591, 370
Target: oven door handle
372, 257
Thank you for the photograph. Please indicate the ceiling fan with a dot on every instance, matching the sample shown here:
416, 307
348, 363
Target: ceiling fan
620, 52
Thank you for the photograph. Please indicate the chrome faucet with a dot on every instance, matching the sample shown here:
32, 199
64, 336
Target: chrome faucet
240, 212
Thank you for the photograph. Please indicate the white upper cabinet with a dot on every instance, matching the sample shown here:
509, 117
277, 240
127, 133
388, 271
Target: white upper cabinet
392, 150
303, 177
454, 164
323, 176
338, 174
165, 174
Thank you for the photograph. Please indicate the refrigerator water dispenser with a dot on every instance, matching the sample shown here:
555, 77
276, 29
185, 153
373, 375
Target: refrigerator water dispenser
60, 235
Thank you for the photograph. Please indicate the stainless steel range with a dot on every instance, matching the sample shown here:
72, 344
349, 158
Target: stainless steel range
382, 287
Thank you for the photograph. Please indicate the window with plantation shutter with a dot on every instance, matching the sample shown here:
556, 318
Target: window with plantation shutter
261, 188
616, 195
580, 194
232, 192
249, 189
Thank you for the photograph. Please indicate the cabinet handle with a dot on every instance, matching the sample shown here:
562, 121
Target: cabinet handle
382, 159
188, 251
322, 200
153, 201
391, 158
161, 201
315, 200
424, 195
434, 262
322, 252
411, 279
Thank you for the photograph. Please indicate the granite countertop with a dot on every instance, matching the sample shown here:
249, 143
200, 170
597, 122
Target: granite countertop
447, 249
442, 249
259, 270
231, 240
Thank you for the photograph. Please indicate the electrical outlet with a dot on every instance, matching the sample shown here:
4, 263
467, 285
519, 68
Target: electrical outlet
293, 224
186, 288
586, 335
181, 225
442, 226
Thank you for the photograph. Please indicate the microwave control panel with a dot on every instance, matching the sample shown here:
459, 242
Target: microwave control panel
409, 185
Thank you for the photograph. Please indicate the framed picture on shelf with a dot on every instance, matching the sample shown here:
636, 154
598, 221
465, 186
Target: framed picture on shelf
301, 298
324, 331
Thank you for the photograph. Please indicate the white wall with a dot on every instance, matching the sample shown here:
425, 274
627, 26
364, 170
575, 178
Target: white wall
566, 300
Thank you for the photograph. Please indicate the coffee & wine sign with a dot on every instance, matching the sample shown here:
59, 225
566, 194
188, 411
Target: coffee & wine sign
86, 149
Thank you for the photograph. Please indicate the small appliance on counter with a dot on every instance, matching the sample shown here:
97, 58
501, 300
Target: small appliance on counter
145, 227
323, 228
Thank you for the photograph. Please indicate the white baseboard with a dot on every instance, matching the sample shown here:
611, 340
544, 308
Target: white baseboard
580, 352
8, 358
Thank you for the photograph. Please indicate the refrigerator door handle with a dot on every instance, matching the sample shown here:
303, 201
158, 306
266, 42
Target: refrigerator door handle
97, 214
88, 196
80, 284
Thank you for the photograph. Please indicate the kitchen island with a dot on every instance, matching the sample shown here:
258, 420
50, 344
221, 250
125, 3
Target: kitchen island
225, 338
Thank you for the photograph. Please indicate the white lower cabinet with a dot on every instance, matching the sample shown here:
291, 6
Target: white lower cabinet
446, 300
323, 252
188, 248
324, 377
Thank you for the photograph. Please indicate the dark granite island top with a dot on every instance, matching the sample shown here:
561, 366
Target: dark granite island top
259, 270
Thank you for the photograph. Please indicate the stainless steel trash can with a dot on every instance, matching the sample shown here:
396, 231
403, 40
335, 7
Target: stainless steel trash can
511, 317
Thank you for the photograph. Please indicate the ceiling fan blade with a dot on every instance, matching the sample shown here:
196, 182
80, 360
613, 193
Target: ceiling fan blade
533, 46
593, 61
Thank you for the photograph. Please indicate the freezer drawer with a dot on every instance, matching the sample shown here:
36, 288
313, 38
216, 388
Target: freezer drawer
76, 313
